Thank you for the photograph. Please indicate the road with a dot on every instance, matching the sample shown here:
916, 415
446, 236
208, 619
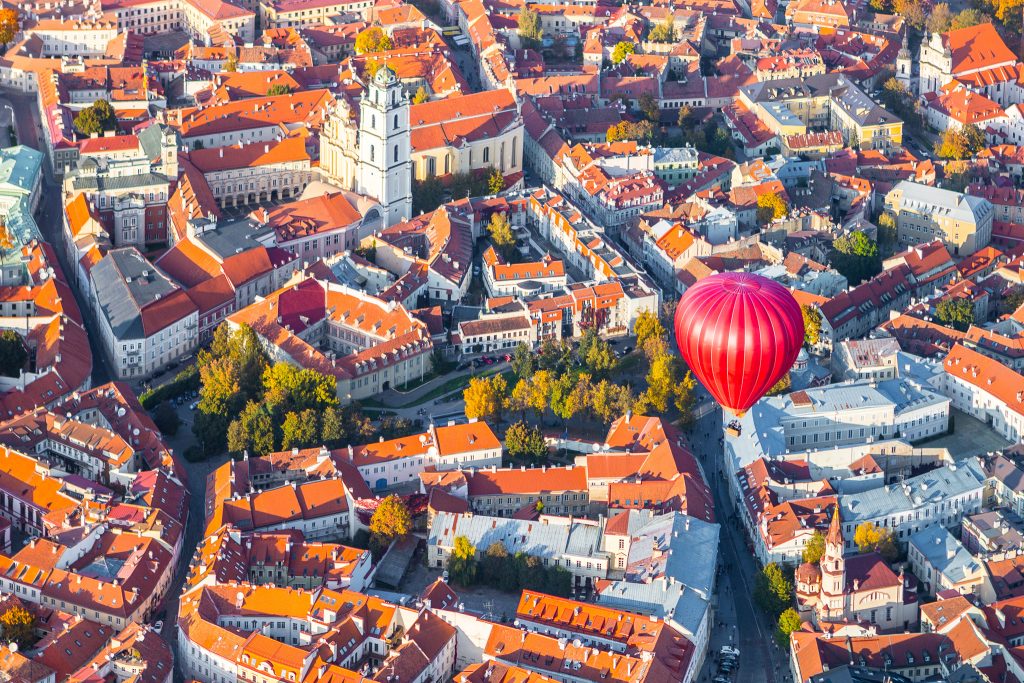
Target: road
761, 661
49, 216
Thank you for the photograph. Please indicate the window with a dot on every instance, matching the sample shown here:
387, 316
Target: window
396, 154
372, 153
487, 154
396, 121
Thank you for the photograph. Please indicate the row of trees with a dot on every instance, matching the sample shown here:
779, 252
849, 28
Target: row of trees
499, 569
773, 593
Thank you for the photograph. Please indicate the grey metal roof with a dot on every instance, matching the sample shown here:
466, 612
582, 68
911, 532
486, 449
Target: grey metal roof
945, 553
928, 488
545, 540
950, 204
124, 283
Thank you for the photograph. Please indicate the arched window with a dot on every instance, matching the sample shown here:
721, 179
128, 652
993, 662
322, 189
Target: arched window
396, 154
396, 121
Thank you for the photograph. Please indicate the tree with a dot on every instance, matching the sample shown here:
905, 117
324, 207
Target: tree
9, 25
166, 419
628, 130
647, 326
1009, 12
96, 118
390, 520
495, 181
427, 194
595, 354
887, 231
622, 50
288, 388
332, 428
610, 401
252, 431
686, 399
969, 17
498, 568
649, 106
19, 626
501, 233
812, 324
373, 39
771, 206
789, 621
940, 18
871, 538
960, 143
530, 31
911, 10
279, 89
462, 563
525, 442
554, 357
231, 65
532, 393
663, 32
661, 384
856, 257
420, 96
485, 397
566, 401
782, 386
773, 590
13, 355
1013, 300
815, 548
522, 361
299, 430
956, 313
685, 117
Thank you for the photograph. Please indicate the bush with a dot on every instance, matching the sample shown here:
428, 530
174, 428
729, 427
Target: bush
194, 454
184, 382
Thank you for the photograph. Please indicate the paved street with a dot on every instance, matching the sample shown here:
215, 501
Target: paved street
738, 619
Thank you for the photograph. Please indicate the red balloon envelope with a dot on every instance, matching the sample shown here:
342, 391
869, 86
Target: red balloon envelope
739, 333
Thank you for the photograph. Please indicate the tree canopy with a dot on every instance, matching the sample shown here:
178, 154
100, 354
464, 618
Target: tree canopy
10, 24
663, 32
771, 206
812, 324
961, 143
19, 627
856, 256
13, 354
373, 39
390, 520
96, 118
622, 50
815, 548
529, 25
956, 313
871, 538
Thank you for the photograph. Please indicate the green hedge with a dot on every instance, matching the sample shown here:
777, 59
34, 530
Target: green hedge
185, 381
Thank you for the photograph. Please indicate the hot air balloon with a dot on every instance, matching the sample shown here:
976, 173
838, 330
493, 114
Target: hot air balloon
739, 333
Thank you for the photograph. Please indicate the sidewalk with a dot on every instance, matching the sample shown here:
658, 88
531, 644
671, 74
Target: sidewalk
393, 398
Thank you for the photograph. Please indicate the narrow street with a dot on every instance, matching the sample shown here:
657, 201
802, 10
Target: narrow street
739, 622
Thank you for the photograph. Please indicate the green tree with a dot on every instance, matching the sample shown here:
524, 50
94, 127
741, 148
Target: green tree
420, 96
19, 626
166, 419
789, 621
871, 538
563, 403
299, 430
525, 442
427, 194
1013, 300
279, 89
771, 206
661, 384
522, 361
390, 520
812, 324
462, 563
531, 572
969, 17
664, 31
252, 430
649, 107
372, 39
856, 257
13, 355
554, 357
686, 399
647, 326
288, 388
495, 181
332, 428
815, 548
498, 568
773, 590
622, 50
529, 25
95, 119
558, 581
610, 401
956, 313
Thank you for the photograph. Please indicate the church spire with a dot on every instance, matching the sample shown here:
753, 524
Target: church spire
835, 530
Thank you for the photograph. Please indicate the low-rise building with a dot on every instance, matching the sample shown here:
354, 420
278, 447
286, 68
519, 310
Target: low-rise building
924, 213
942, 563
